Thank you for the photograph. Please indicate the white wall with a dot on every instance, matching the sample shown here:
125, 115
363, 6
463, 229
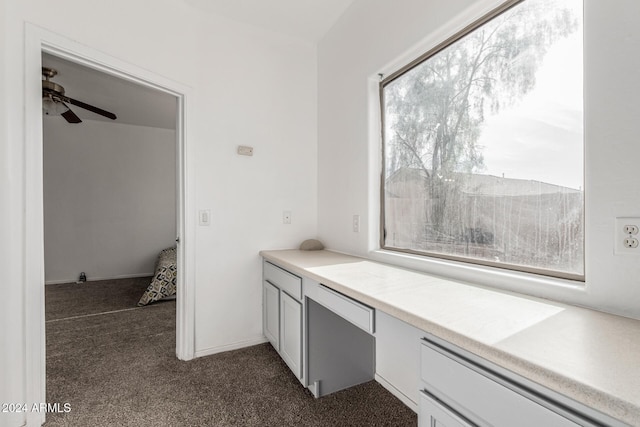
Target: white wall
375, 36
12, 325
249, 87
109, 198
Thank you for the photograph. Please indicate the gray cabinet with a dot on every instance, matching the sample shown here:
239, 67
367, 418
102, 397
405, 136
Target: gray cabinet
340, 353
398, 358
435, 414
291, 333
473, 394
271, 314
325, 335
282, 315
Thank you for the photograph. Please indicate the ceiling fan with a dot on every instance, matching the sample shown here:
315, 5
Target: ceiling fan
54, 101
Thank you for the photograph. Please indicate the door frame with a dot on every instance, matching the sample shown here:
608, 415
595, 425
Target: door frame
37, 41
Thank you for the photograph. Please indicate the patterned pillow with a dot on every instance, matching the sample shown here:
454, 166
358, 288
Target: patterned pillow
163, 283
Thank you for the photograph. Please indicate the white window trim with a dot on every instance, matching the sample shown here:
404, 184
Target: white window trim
565, 290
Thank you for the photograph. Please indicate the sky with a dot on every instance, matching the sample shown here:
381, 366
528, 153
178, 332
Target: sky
541, 138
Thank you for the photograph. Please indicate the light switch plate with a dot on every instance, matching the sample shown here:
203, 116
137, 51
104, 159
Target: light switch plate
286, 217
204, 217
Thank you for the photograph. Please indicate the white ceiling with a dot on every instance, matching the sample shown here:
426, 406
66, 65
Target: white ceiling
308, 19
132, 103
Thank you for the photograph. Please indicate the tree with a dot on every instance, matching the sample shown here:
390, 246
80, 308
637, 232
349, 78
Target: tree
434, 112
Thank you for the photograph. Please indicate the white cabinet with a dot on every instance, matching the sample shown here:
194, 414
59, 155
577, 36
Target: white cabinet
291, 333
398, 358
271, 314
282, 315
475, 395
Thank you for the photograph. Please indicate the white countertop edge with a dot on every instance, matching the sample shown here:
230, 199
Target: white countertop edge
583, 393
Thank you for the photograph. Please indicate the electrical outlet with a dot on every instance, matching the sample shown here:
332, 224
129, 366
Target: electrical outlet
626, 236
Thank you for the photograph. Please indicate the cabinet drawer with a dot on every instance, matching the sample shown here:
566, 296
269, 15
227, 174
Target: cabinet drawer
347, 308
434, 414
480, 398
283, 279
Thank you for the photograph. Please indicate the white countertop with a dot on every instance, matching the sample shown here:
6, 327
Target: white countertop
586, 355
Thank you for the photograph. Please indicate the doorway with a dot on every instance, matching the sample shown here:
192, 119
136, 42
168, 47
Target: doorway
109, 184
39, 41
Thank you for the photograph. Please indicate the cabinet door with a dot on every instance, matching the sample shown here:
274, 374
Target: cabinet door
433, 414
291, 333
398, 357
271, 314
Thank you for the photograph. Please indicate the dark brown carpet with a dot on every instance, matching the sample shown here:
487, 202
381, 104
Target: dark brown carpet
120, 369
71, 299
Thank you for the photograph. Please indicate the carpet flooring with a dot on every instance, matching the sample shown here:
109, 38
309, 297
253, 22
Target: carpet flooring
70, 299
115, 365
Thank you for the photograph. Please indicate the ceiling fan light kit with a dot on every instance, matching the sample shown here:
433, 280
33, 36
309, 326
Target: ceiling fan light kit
51, 107
54, 100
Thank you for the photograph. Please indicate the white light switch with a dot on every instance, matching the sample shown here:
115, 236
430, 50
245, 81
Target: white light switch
356, 223
204, 217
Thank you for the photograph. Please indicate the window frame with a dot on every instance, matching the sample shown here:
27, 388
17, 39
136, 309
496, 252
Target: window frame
384, 81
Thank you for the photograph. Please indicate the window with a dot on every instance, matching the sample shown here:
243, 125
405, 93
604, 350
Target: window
483, 144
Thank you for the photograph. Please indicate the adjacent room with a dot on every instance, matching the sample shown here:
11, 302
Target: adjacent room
374, 213
110, 197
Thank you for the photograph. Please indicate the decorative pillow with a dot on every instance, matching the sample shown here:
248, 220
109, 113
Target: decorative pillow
163, 283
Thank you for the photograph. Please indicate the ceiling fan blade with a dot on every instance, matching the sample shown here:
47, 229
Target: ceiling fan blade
70, 116
92, 108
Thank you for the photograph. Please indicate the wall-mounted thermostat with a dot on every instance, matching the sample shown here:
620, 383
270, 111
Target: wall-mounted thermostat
243, 150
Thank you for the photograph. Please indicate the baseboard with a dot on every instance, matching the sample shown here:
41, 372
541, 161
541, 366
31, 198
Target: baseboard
228, 347
397, 393
95, 279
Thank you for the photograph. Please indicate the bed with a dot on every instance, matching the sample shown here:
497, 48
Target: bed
163, 283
